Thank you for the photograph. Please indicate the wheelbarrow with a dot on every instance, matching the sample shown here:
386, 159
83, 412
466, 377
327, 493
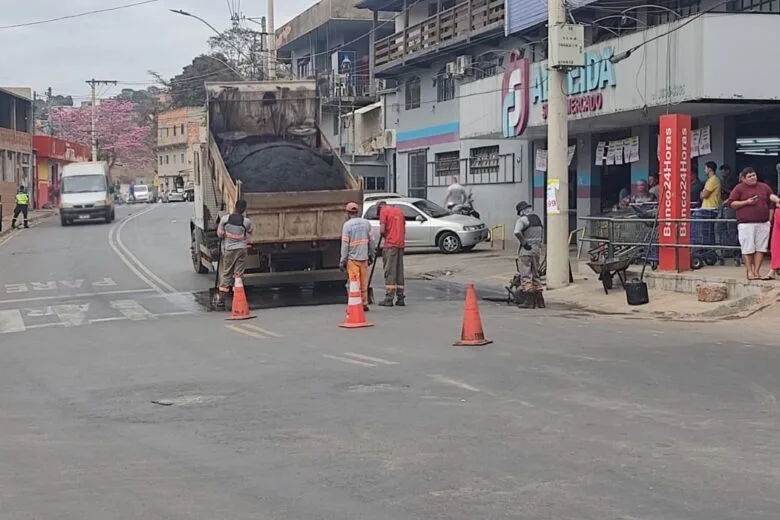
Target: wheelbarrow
608, 268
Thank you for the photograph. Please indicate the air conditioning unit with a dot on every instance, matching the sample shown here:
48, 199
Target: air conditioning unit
378, 143
380, 84
389, 138
463, 65
451, 68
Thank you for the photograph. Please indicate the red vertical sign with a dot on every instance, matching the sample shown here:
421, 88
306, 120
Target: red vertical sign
675, 166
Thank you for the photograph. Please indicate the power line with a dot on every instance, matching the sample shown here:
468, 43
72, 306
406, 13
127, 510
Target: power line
79, 15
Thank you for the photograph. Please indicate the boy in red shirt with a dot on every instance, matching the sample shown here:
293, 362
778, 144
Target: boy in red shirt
392, 227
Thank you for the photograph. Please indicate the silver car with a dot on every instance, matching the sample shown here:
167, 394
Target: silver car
430, 225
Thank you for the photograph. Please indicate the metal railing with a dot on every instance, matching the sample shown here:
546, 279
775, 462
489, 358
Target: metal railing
711, 240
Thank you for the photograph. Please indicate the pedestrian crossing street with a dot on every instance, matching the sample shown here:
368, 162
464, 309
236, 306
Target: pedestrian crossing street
89, 311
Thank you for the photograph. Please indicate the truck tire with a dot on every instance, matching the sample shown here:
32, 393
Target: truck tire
197, 240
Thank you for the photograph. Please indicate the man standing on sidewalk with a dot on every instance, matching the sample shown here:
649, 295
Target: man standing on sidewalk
357, 249
22, 206
392, 227
234, 230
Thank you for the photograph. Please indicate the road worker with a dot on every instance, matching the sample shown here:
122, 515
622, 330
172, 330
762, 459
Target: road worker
392, 228
529, 231
357, 249
22, 205
234, 230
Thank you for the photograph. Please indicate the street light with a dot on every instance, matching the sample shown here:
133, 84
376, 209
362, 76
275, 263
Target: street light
185, 13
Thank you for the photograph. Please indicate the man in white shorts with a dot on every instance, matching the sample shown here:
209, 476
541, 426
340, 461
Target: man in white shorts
754, 203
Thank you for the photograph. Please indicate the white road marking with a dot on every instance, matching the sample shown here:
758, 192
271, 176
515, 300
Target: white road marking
177, 313
73, 296
453, 382
369, 358
350, 361
43, 286
131, 261
39, 313
72, 315
131, 309
105, 282
46, 325
262, 331
72, 284
111, 318
245, 332
15, 288
11, 321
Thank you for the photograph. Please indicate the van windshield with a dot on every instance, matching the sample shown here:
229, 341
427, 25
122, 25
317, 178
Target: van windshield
84, 184
141, 189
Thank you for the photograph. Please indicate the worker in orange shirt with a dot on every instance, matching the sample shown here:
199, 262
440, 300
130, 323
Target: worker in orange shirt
392, 227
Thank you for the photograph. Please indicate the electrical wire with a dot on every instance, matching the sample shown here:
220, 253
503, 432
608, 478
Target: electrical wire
79, 15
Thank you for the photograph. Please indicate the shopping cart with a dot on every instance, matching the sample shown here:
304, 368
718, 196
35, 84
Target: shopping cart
703, 236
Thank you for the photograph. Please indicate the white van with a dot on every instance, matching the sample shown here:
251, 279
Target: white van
86, 193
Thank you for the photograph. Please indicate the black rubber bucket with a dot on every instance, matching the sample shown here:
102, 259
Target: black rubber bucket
636, 292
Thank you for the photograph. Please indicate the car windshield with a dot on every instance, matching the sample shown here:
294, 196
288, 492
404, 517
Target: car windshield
84, 184
141, 189
431, 209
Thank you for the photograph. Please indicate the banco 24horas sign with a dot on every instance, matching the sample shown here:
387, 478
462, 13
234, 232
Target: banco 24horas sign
525, 85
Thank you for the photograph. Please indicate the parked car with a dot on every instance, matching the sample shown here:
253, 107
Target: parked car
142, 194
368, 197
174, 196
430, 225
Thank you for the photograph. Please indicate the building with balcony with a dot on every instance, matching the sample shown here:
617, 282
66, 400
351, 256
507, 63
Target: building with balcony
16, 127
455, 106
177, 131
332, 42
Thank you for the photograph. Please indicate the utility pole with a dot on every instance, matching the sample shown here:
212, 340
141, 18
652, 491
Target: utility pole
271, 41
557, 155
93, 83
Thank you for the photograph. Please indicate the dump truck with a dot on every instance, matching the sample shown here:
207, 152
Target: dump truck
263, 144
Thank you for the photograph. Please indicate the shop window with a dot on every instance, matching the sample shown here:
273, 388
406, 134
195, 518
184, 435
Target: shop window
447, 165
412, 93
445, 86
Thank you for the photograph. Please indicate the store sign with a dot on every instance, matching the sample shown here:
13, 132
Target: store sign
584, 85
515, 96
675, 181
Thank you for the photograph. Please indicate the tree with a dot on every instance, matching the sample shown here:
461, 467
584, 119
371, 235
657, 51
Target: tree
188, 88
121, 136
244, 50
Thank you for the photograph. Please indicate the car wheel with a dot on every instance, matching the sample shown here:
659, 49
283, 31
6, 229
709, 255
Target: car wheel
64, 221
449, 243
197, 240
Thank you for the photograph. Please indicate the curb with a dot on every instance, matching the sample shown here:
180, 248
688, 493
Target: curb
33, 221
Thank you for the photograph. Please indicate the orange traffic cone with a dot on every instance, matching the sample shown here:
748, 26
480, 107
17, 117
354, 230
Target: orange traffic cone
356, 317
240, 310
471, 334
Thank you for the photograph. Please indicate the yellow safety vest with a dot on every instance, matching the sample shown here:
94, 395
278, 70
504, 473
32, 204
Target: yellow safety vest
22, 199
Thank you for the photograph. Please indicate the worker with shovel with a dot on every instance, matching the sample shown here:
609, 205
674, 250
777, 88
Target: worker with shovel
392, 228
529, 231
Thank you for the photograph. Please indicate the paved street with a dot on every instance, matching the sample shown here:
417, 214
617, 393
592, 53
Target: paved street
122, 398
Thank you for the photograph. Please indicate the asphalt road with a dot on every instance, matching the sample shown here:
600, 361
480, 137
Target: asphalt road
288, 417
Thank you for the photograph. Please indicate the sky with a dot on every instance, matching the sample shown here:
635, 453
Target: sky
120, 45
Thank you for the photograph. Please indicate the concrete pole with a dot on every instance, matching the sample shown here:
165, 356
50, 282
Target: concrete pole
557, 162
271, 41
93, 84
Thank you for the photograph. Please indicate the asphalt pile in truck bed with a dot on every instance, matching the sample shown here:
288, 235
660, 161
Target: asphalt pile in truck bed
280, 166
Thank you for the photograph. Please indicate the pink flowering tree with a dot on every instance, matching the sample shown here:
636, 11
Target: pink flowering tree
121, 136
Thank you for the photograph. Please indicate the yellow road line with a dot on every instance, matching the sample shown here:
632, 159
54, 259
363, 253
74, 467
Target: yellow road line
370, 359
245, 332
262, 331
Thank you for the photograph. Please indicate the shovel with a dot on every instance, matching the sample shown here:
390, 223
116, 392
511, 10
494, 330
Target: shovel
214, 291
371, 276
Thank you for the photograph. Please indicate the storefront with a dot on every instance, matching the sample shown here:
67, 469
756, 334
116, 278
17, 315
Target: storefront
52, 155
615, 100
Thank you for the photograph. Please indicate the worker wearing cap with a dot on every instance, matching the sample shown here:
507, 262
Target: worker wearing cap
234, 230
529, 231
22, 205
392, 227
357, 249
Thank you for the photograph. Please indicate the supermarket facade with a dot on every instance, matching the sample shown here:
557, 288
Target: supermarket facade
491, 129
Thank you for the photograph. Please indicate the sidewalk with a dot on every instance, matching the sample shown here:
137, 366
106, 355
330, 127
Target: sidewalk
33, 217
492, 269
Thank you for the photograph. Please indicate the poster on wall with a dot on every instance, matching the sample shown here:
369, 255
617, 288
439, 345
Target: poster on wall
541, 161
633, 149
610, 154
553, 186
600, 153
618, 146
705, 145
695, 137
572, 150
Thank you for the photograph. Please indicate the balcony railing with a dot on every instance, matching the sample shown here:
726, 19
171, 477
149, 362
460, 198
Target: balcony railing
466, 19
333, 87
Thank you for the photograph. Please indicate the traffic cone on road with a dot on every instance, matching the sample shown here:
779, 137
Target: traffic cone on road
356, 316
240, 307
471, 335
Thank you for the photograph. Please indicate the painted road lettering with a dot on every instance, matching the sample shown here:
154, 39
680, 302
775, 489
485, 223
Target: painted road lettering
15, 288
